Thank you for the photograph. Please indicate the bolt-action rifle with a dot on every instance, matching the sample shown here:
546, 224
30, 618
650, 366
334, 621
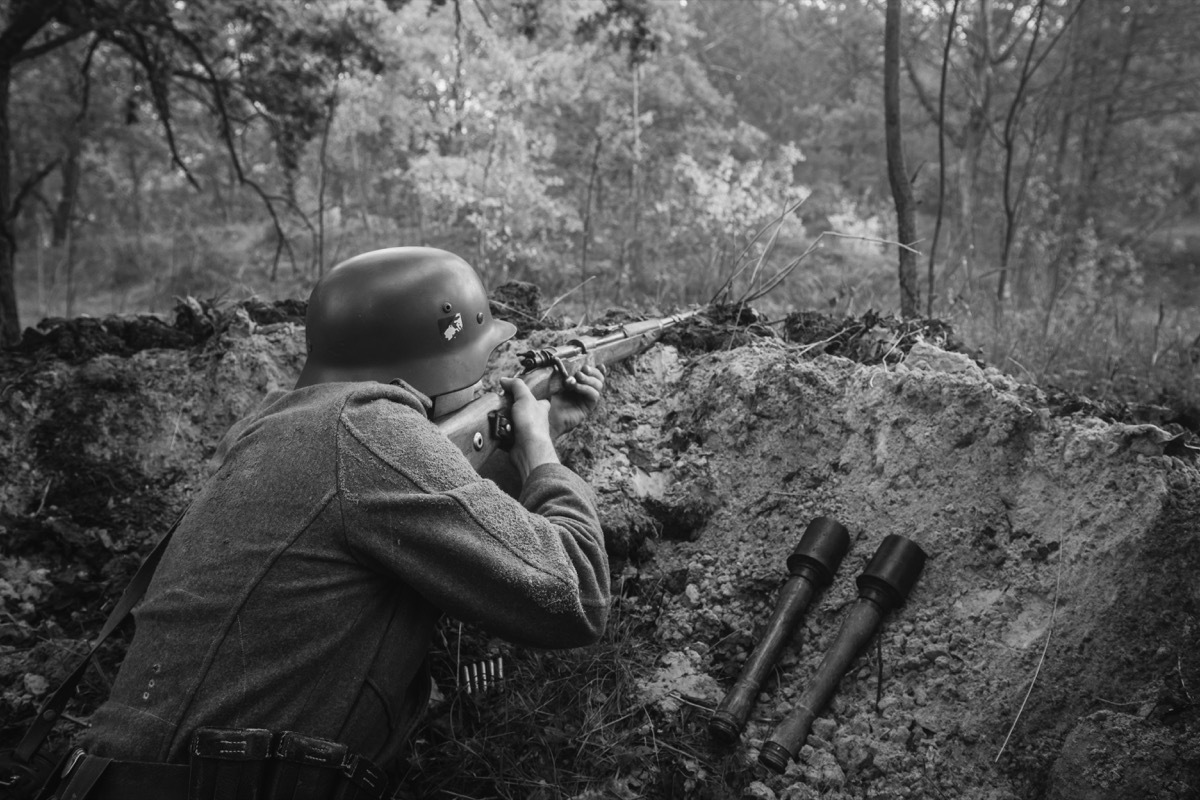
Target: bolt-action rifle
485, 424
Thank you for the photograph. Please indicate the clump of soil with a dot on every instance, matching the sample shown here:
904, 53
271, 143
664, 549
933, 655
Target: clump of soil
521, 304
1050, 649
195, 322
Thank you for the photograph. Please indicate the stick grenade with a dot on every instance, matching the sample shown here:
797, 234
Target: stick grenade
811, 565
883, 585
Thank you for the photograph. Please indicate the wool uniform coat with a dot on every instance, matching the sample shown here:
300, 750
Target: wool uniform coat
301, 589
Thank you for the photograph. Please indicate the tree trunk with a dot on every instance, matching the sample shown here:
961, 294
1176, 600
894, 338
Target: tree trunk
631, 253
587, 218
1012, 196
10, 324
902, 194
975, 130
941, 129
322, 178
64, 210
22, 22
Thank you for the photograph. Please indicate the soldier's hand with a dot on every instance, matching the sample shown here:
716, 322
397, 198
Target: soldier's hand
532, 443
578, 399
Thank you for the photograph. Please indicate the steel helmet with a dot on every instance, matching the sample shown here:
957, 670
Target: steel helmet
414, 313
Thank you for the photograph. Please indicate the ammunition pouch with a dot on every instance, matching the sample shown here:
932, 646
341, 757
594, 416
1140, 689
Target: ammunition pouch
234, 764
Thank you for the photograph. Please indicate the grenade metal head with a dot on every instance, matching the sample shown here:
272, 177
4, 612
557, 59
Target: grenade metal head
894, 569
820, 551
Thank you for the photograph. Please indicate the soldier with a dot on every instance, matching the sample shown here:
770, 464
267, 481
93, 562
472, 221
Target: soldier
281, 649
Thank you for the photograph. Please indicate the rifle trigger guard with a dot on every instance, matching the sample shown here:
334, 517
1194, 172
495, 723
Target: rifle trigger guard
501, 429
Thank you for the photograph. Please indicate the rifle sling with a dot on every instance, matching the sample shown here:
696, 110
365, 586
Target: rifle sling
52, 709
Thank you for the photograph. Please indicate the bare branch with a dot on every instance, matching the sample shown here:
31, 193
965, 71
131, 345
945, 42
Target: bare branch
140, 51
25, 24
226, 133
27, 186
922, 94
31, 53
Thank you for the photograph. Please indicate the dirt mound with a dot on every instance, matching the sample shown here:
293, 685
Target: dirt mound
194, 323
1060, 547
1063, 549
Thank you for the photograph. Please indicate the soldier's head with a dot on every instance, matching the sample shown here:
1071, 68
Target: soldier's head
414, 313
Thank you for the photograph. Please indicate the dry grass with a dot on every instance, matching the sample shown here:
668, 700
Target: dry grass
1130, 350
567, 725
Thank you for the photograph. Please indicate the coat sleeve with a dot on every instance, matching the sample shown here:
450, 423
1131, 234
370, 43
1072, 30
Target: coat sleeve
532, 570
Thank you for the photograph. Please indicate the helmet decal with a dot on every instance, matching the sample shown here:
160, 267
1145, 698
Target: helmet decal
450, 326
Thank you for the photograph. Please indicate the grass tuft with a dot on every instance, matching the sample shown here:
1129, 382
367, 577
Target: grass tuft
566, 725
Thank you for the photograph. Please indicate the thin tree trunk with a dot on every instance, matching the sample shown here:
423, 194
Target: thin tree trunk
360, 183
72, 251
455, 145
64, 210
322, 175
482, 262
10, 325
587, 218
1012, 199
975, 130
1108, 125
22, 22
631, 258
941, 123
902, 194
135, 196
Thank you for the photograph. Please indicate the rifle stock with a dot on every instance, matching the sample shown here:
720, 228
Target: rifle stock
483, 425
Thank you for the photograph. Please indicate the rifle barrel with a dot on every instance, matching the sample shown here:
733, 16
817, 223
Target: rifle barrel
483, 425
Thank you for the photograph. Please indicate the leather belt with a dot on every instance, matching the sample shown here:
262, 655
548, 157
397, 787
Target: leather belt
231, 764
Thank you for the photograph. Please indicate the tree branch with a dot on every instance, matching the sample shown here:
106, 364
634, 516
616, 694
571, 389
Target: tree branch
922, 94
28, 186
140, 51
24, 25
226, 133
52, 44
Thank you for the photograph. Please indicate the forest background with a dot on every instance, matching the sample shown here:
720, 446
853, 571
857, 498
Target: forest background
627, 152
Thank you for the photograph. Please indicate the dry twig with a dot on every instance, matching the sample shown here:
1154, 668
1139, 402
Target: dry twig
1062, 557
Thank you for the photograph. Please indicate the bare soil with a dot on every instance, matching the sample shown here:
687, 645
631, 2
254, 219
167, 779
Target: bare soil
1051, 648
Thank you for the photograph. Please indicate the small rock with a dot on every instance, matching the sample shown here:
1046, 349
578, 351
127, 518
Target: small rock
824, 771
819, 743
824, 727
757, 790
35, 684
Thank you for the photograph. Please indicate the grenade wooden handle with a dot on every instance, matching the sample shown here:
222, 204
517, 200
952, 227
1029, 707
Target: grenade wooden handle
812, 565
882, 586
